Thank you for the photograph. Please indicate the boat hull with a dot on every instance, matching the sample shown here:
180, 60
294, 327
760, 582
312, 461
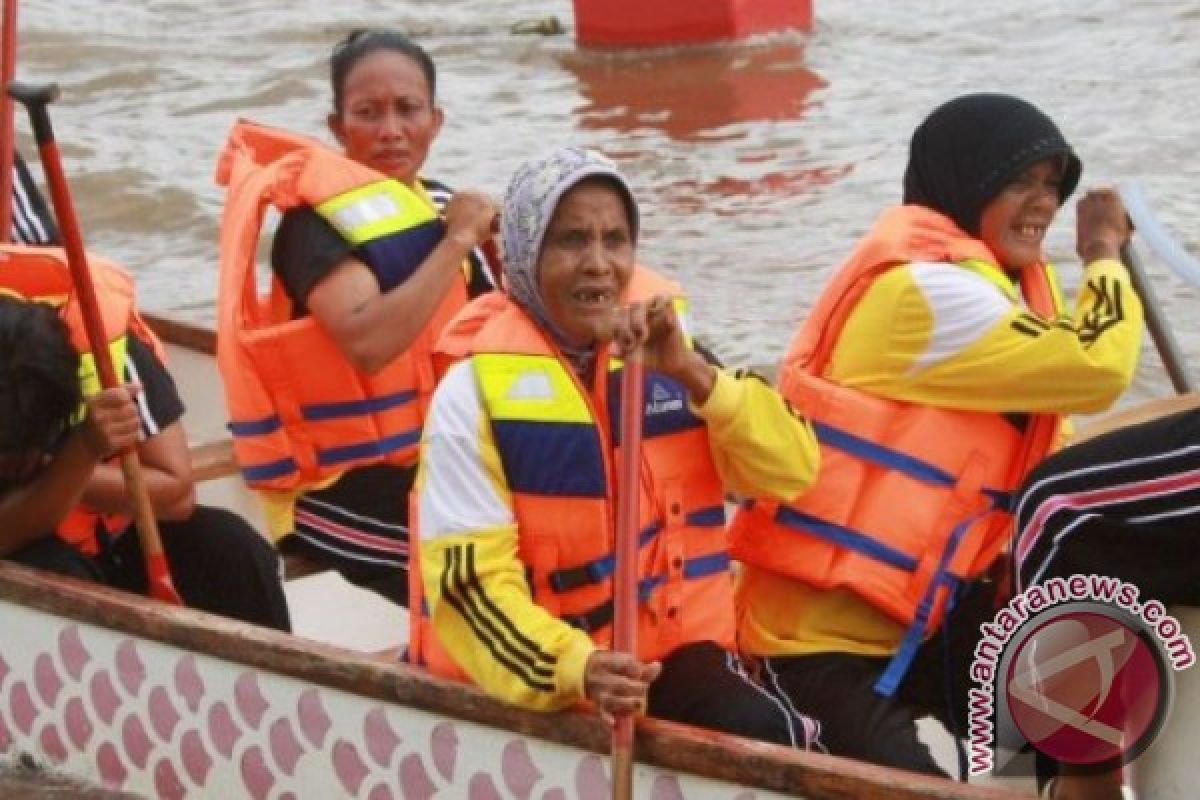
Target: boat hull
134, 695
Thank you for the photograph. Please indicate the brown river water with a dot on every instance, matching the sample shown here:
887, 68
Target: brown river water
758, 164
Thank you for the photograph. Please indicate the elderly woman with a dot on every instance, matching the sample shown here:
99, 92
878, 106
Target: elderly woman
515, 496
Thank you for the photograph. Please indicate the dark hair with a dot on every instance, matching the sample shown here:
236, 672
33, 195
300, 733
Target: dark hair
39, 377
360, 43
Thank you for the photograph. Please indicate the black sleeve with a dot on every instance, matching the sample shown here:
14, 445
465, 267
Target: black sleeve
32, 222
158, 404
305, 249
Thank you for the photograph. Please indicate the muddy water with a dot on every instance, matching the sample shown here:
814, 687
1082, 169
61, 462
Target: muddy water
758, 164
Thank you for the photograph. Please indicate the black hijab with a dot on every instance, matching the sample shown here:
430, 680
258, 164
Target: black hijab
971, 147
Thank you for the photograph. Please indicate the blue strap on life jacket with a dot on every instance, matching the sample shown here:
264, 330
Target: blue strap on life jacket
898, 667
867, 545
568, 578
693, 569
890, 458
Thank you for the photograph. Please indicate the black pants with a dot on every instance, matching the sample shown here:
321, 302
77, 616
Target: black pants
218, 562
857, 722
703, 684
1144, 527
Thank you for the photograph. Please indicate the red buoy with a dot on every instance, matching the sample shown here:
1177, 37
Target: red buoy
622, 23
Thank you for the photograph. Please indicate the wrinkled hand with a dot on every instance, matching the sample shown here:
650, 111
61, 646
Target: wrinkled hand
1101, 225
112, 424
618, 683
470, 217
654, 327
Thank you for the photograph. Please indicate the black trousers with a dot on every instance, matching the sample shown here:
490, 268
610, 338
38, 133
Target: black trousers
857, 722
703, 684
1143, 526
218, 562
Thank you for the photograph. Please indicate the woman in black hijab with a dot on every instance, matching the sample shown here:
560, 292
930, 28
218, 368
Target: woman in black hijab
937, 366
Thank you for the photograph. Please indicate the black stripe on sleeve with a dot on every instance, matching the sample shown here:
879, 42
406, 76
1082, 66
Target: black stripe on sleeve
462, 590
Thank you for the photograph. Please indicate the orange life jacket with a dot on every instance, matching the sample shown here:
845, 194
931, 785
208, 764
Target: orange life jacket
41, 274
910, 499
560, 473
300, 412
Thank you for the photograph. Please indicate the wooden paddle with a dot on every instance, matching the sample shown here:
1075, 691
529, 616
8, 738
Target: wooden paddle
8, 67
1156, 323
35, 99
625, 580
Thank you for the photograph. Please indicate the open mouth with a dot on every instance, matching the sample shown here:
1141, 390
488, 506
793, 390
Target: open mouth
594, 298
1030, 233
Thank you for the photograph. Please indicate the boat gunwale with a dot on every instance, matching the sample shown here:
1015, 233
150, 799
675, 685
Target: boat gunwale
662, 744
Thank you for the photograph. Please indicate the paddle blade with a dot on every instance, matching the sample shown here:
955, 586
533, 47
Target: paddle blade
158, 579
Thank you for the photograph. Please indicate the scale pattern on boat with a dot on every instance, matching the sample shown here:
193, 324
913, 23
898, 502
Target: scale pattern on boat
146, 717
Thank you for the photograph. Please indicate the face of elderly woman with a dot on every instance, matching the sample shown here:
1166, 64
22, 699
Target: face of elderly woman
586, 260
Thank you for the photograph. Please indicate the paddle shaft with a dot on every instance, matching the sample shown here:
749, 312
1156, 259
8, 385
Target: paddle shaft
1156, 323
35, 100
8, 68
625, 599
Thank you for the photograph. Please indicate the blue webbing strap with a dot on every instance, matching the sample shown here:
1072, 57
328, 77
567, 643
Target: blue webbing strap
569, 578
898, 667
901, 462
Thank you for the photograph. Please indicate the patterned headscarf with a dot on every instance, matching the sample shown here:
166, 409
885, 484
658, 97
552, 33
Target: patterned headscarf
533, 194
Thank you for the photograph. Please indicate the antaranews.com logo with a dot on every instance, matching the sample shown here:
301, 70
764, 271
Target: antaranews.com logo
1079, 669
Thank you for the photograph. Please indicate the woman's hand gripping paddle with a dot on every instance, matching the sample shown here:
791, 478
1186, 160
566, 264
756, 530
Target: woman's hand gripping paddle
36, 99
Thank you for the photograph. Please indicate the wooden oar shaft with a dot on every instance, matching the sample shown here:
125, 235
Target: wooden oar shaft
1156, 322
625, 588
35, 100
8, 68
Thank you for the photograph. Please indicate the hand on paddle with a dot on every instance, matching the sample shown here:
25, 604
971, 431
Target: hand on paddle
618, 683
112, 424
470, 217
654, 326
1101, 226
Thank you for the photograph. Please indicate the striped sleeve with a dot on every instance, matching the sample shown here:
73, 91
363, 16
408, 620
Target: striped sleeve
31, 219
942, 335
479, 603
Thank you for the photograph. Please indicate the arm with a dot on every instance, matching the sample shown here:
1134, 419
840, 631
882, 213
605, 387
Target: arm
163, 452
479, 603
760, 446
373, 327
942, 335
167, 470
33, 510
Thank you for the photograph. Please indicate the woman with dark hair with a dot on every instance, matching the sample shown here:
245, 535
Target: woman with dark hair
937, 365
374, 258
64, 509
